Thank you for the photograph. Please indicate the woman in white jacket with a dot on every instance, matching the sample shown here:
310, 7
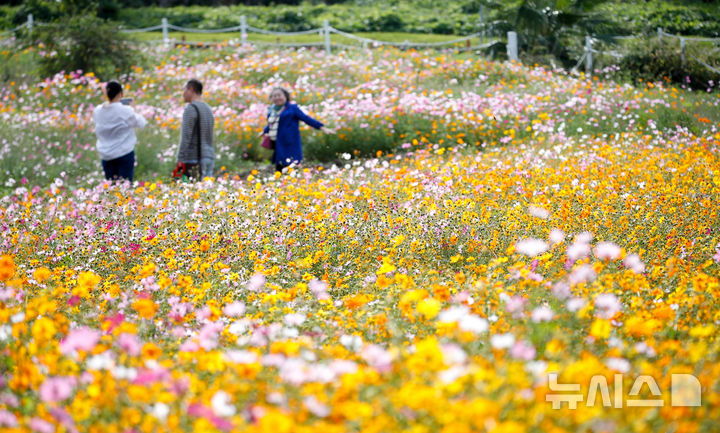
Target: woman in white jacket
115, 124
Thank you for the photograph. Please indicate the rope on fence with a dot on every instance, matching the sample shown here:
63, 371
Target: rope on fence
582, 59
705, 64
270, 32
7, 32
403, 44
691, 38
146, 29
189, 30
289, 45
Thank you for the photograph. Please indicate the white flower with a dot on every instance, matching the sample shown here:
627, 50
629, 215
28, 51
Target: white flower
607, 251
453, 314
618, 364
575, 304
160, 411
352, 342
473, 324
556, 236
294, 319
220, 403
102, 361
531, 247
502, 341
539, 212
542, 313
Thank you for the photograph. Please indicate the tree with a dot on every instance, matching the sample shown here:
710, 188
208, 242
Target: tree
85, 43
547, 27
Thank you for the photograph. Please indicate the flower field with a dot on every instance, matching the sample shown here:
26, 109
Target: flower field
514, 223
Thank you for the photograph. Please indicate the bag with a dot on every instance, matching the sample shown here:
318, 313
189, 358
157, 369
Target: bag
267, 143
184, 172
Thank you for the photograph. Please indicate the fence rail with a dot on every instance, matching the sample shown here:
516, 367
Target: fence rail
326, 30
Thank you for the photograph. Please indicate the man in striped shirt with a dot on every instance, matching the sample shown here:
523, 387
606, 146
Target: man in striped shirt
196, 149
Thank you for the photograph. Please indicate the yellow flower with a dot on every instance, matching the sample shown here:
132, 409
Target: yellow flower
386, 267
85, 283
600, 328
429, 308
43, 330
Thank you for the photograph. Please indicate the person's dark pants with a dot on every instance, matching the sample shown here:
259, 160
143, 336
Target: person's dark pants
120, 168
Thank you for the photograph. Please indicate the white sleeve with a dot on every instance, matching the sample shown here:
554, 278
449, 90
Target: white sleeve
136, 120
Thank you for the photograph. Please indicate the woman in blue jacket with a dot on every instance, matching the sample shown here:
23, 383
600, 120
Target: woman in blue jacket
283, 129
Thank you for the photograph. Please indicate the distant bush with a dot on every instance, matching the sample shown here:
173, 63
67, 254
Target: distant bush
84, 43
660, 60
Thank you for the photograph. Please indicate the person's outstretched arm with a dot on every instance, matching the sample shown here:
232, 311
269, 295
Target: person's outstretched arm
136, 120
307, 119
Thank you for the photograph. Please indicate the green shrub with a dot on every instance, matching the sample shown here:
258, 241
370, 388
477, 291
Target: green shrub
660, 60
84, 43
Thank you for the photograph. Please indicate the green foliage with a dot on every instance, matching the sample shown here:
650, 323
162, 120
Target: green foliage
546, 27
654, 60
384, 16
687, 17
84, 43
17, 65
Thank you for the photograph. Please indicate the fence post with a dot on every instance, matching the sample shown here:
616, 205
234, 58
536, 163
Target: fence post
166, 39
481, 23
588, 55
512, 50
30, 22
326, 29
243, 29
682, 52
660, 32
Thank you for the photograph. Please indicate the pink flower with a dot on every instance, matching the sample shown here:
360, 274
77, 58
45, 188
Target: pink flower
236, 309
633, 262
39, 425
607, 251
7, 419
56, 389
319, 289
209, 334
523, 350
578, 250
582, 274
531, 247
542, 313
256, 282
716, 257
129, 343
377, 357
561, 290
607, 305
515, 306
79, 339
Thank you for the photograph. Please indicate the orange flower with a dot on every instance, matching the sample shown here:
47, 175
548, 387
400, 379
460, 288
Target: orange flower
146, 308
7, 267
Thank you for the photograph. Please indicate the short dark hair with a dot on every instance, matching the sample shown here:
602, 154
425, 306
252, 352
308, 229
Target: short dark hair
112, 89
195, 85
283, 90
